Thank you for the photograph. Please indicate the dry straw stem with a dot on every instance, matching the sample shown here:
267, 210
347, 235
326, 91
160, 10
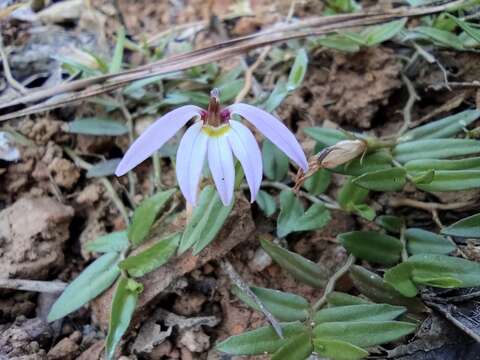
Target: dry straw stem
75, 91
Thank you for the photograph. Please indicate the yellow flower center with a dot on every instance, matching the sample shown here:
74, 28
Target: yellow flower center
216, 131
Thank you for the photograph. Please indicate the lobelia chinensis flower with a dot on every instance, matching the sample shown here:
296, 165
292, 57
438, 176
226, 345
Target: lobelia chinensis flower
216, 136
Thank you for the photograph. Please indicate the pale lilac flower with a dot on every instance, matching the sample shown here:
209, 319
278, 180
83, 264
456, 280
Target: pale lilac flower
216, 136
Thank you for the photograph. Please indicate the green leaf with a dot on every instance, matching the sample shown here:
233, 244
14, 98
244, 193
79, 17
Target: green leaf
467, 227
376, 289
390, 223
298, 347
351, 194
299, 68
275, 162
364, 312
469, 29
364, 333
318, 183
441, 37
336, 298
338, 42
145, 214
91, 282
115, 241
151, 258
452, 180
420, 241
383, 180
380, 33
123, 306
296, 265
364, 211
435, 149
229, 90
433, 270
228, 76
378, 160
117, 58
266, 203
283, 305
96, 126
316, 217
324, 136
338, 350
424, 178
400, 277
277, 96
293, 218
103, 168
434, 265
260, 341
443, 128
207, 220
422, 165
372, 246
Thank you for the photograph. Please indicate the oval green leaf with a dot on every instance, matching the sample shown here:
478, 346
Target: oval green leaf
390, 223
452, 180
443, 128
123, 306
115, 241
266, 203
145, 214
206, 221
96, 126
91, 282
298, 347
422, 165
284, 306
151, 258
421, 241
260, 341
435, 149
363, 312
275, 162
364, 333
468, 227
299, 267
372, 246
338, 350
383, 180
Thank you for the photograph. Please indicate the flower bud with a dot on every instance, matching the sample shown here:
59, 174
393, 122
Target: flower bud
340, 153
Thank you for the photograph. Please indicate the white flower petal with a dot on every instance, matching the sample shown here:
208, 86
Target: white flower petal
246, 150
155, 136
274, 130
190, 158
220, 161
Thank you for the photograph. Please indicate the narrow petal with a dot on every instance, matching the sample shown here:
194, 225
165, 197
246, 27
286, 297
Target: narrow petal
246, 150
220, 161
274, 130
190, 158
155, 136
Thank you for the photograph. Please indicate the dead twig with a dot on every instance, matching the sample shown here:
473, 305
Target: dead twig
407, 110
227, 267
446, 310
249, 74
427, 206
78, 90
6, 70
33, 285
332, 282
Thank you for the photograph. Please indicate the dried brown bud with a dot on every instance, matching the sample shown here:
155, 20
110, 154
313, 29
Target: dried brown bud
340, 153
331, 157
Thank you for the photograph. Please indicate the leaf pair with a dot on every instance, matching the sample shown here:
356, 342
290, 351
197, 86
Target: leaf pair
293, 217
433, 270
